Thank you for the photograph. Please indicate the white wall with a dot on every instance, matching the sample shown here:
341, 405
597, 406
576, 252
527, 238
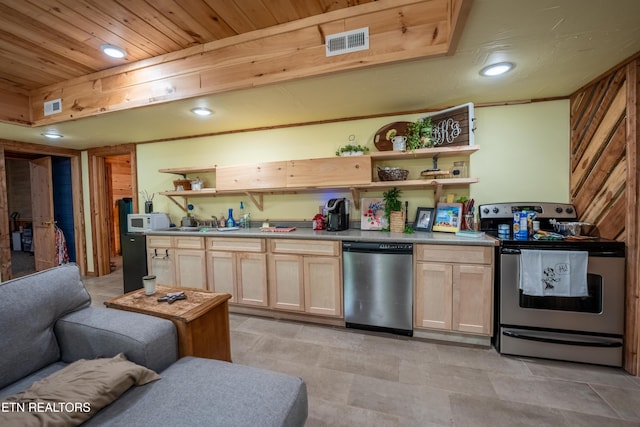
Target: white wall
524, 156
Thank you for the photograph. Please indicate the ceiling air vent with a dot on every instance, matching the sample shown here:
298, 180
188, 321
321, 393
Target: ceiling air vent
53, 107
347, 42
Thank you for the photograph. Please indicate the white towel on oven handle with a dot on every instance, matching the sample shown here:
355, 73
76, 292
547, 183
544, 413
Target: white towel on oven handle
553, 273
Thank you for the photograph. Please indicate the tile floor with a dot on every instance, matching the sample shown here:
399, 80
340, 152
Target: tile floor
357, 378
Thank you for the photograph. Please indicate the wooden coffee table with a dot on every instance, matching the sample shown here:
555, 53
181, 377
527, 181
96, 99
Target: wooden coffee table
202, 320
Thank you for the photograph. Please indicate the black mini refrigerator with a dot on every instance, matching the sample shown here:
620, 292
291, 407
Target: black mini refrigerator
134, 260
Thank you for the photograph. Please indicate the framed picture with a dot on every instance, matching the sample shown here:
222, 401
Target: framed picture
372, 214
424, 219
448, 217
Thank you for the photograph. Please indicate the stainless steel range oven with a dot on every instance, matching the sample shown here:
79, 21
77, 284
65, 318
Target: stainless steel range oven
587, 326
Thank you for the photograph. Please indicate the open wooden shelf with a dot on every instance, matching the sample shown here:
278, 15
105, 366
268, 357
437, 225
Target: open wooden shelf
185, 171
256, 195
423, 153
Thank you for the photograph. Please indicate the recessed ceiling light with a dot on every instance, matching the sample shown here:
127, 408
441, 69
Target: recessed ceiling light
113, 51
201, 111
496, 69
52, 135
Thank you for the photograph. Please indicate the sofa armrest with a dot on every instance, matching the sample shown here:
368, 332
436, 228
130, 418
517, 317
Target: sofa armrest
104, 332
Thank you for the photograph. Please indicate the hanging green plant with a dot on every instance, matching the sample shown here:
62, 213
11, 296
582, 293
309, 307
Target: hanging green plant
352, 148
419, 134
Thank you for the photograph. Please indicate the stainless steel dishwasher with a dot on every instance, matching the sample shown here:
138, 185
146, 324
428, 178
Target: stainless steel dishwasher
378, 286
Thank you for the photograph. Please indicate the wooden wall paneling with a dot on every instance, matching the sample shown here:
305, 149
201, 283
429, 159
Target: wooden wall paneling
601, 168
597, 143
604, 180
78, 214
5, 242
632, 316
587, 111
119, 179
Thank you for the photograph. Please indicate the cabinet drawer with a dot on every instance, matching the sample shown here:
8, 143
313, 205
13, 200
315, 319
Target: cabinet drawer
455, 253
159, 242
305, 247
188, 242
235, 244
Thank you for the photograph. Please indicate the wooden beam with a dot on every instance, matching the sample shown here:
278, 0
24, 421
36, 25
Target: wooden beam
14, 107
399, 30
632, 223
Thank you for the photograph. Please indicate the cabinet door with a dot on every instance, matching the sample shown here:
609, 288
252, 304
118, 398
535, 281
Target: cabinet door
160, 262
286, 282
322, 286
191, 268
472, 298
251, 275
433, 293
221, 273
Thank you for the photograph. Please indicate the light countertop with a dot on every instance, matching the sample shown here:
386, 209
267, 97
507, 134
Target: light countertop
438, 238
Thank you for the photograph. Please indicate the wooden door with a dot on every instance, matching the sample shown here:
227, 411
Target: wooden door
433, 294
251, 275
322, 285
286, 282
44, 238
191, 268
221, 273
472, 298
160, 262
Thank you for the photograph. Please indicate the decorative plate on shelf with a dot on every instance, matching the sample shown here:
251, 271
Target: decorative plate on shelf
380, 139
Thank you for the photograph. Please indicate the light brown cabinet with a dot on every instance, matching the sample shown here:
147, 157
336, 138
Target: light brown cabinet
305, 276
160, 259
177, 260
454, 288
238, 266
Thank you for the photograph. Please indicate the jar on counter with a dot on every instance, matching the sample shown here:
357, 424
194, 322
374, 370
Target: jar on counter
503, 231
459, 170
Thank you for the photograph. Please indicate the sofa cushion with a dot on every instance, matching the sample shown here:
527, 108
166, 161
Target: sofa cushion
30, 306
104, 332
73, 394
206, 392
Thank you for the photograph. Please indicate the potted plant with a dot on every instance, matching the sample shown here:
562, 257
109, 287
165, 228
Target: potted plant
393, 210
352, 150
419, 134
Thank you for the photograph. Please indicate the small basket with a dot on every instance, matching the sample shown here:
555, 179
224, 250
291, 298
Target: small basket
184, 183
392, 174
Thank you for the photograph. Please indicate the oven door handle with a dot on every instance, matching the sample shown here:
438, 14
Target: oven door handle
510, 251
607, 344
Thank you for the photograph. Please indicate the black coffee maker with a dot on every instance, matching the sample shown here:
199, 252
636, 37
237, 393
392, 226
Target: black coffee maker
337, 214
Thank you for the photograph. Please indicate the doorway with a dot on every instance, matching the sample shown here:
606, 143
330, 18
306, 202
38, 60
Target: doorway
32, 251
112, 176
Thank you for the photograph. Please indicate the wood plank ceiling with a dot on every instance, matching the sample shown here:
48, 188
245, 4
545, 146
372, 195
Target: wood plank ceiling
43, 42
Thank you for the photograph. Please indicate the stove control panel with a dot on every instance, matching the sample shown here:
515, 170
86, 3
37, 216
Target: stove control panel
543, 210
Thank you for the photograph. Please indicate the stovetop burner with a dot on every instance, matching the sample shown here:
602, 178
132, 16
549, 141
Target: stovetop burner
492, 215
496, 214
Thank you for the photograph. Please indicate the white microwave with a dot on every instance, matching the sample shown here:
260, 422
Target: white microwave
139, 223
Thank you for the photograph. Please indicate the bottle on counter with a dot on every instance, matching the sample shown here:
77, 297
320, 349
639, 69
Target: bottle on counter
230, 221
244, 217
223, 222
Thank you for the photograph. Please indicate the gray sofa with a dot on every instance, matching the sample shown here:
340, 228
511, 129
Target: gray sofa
46, 323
